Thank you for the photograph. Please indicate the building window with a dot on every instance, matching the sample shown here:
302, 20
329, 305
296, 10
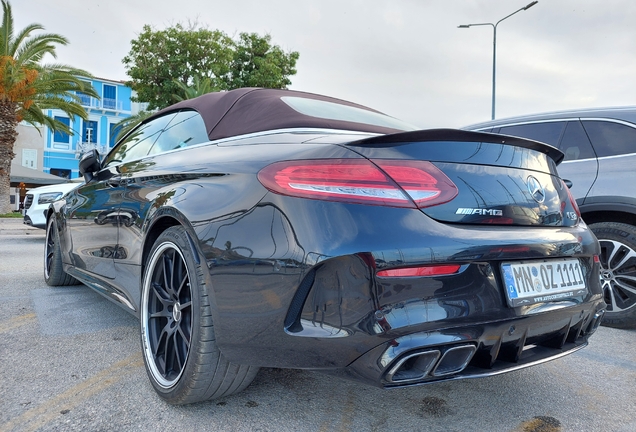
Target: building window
59, 136
89, 134
85, 99
30, 158
109, 99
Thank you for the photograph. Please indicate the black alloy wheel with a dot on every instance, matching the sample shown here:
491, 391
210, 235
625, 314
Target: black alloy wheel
182, 359
618, 272
54, 274
168, 315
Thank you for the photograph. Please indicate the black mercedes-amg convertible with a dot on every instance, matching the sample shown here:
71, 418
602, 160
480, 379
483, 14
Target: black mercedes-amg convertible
275, 228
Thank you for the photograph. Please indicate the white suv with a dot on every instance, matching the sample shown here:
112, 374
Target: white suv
37, 201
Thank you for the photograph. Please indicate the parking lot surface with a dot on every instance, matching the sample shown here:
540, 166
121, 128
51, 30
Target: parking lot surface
71, 361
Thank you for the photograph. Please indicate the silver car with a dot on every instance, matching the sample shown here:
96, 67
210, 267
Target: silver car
600, 163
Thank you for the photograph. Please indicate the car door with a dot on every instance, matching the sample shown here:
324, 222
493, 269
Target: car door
615, 145
93, 234
150, 185
93, 210
147, 180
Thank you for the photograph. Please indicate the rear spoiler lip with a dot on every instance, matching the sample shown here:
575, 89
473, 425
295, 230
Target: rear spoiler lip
461, 135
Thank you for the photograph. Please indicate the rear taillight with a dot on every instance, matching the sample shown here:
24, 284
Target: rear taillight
426, 184
392, 183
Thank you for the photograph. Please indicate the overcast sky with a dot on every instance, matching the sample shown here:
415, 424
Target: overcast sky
406, 58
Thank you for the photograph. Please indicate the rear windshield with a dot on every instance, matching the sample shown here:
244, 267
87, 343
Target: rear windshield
334, 111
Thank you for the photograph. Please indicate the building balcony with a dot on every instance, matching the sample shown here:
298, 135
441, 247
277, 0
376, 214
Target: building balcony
103, 104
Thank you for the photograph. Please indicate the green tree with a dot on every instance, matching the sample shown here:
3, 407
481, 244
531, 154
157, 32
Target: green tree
181, 62
28, 87
258, 63
159, 59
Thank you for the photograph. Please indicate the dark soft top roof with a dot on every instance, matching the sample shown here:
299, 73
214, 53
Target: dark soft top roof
248, 110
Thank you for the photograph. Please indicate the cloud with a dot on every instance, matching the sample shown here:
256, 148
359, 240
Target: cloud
405, 58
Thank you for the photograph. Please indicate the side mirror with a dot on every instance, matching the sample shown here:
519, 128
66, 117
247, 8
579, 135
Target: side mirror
568, 183
89, 164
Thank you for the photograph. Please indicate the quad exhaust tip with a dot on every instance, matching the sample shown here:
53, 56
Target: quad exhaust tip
595, 322
418, 365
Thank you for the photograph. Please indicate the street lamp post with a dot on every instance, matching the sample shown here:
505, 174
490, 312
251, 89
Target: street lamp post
494, 47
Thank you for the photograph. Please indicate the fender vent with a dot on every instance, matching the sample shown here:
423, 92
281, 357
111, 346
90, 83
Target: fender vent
292, 320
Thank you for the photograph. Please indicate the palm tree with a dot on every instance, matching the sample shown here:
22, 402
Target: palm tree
199, 87
28, 87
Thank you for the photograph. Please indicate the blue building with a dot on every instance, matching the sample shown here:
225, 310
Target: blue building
61, 151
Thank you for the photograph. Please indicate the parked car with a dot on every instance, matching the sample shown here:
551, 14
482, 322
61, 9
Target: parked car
600, 156
275, 228
37, 200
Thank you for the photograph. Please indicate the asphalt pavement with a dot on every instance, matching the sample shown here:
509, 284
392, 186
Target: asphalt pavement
16, 226
70, 360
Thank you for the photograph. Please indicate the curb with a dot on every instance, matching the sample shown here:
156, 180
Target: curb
16, 227
33, 232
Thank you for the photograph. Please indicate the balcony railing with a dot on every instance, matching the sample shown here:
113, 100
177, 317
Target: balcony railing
104, 103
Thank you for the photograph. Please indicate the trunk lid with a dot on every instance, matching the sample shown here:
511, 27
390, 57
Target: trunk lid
500, 180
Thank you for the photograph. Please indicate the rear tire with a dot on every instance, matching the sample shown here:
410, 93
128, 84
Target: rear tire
54, 274
618, 272
182, 359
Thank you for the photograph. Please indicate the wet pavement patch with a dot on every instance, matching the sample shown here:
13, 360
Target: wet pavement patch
76, 310
435, 407
541, 424
291, 379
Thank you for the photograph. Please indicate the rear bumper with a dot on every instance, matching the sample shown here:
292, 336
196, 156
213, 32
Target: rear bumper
478, 350
311, 298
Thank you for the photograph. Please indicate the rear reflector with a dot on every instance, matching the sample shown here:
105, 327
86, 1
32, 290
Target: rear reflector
393, 183
438, 270
510, 250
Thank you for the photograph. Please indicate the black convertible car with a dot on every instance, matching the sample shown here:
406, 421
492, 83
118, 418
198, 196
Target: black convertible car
283, 229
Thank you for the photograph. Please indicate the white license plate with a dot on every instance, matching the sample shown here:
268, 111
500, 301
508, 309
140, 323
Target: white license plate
542, 281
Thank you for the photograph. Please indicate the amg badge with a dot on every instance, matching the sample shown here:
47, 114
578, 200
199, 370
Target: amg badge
478, 211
